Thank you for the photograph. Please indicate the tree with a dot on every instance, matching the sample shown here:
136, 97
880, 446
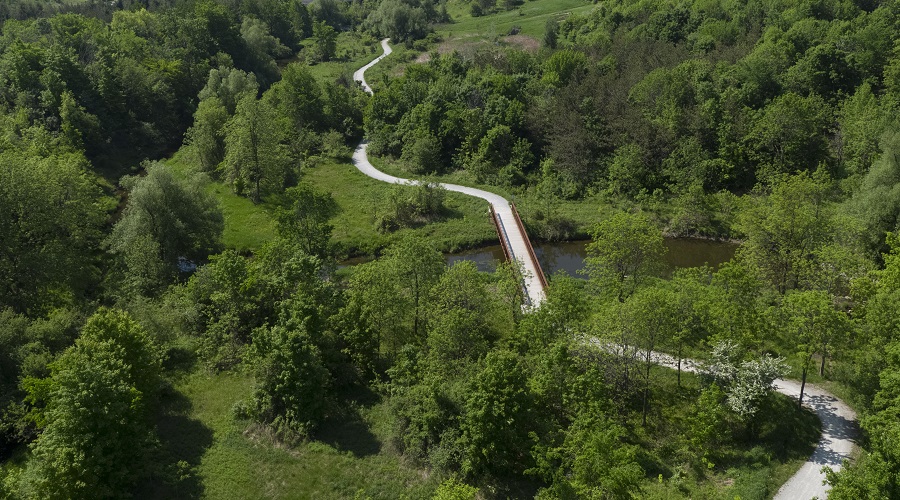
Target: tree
298, 97
262, 48
416, 267
100, 400
399, 21
877, 201
326, 40
410, 268
207, 136
812, 324
453, 489
166, 224
303, 218
625, 251
256, 159
784, 230
789, 135
291, 382
747, 383
51, 212
652, 316
497, 418
461, 318
595, 462
229, 85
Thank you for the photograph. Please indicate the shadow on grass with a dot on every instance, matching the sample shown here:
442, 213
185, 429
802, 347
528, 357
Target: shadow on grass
183, 441
349, 435
348, 431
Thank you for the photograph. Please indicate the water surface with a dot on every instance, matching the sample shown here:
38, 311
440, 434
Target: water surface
568, 256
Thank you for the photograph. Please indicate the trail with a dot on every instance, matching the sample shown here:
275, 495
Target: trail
839, 423
837, 442
515, 238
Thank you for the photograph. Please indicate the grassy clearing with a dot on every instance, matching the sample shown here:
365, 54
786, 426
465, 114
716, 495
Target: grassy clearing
578, 215
744, 467
362, 200
354, 50
531, 17
247, 225
228, 458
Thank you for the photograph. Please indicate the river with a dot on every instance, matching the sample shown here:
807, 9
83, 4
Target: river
569, 256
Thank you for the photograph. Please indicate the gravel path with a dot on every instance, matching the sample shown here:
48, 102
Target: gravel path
516, 240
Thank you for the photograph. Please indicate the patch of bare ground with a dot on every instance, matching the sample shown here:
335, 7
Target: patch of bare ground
423, 58
524, 42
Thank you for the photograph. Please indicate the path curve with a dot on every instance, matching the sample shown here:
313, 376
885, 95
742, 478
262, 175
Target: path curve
518, 246
837, 442
839, 424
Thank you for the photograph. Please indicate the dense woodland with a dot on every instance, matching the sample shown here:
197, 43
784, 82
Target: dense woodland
772, 123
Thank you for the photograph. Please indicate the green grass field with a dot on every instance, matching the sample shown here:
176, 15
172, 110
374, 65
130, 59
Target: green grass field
354, 50
580, 214
530, 17
351, 457
362, 200
223, 457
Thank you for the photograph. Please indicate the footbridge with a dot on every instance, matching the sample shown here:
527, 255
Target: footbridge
510, 230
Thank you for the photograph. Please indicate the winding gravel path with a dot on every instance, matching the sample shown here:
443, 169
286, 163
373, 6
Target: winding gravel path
518, 246
839, 425
838, 440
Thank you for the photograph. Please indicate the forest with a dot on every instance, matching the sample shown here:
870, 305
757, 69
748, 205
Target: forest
200, 295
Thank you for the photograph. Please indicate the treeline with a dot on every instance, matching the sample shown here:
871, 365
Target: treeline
127, 89
680, 102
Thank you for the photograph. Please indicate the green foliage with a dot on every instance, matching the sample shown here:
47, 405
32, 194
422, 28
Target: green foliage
785, 230
207, 136
498, 417
406, 274
257, 160
595, 462
304, 219
97, 430
292, 383
453, 489
325, 37
413, 206
166, 224
875, 202
813, 326
51, 212
402, 20
625, 251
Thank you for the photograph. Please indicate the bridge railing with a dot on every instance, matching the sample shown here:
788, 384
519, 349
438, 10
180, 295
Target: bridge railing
531, 254
504, 244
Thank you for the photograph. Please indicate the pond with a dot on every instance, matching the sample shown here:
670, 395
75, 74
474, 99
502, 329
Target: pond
568, 256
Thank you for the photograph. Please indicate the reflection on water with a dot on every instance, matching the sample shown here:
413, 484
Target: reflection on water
569, 256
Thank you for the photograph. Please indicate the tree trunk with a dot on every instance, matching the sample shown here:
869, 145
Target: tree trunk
802, 386
679, 367
822, 366
646, 392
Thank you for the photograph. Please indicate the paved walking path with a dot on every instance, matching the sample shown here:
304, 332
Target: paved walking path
515, 238
839, 426
838, 440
